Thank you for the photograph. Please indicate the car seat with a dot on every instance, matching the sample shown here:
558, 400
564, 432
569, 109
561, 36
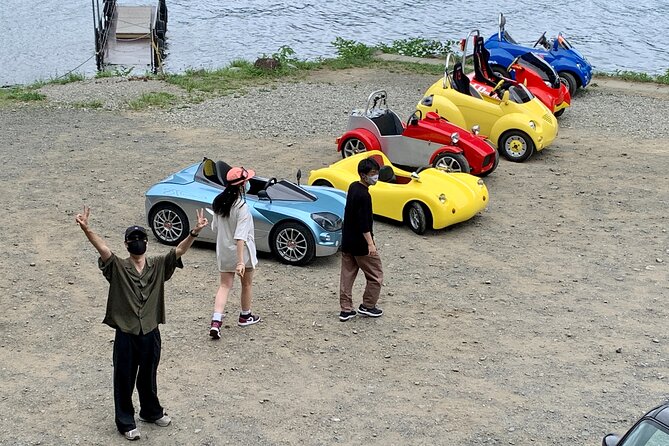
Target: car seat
388, 123
482, 70
222, 169
460, 81
386, 174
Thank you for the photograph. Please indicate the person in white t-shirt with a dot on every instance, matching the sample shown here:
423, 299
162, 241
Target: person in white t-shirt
235, 248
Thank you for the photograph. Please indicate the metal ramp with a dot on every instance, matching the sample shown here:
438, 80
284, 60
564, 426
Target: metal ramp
129, 36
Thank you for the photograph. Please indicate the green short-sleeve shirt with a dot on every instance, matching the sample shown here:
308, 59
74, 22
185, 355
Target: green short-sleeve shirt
136, 301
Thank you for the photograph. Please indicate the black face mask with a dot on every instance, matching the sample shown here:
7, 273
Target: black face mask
137, 247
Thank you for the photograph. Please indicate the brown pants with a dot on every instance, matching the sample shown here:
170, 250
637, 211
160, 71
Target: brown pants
371, 266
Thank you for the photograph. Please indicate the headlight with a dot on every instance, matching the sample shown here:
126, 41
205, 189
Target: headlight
476, 129
327, 220
533, 125
442, 198
578, 65
455, 138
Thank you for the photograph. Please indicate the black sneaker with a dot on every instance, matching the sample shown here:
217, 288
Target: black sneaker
371, 312
346, 315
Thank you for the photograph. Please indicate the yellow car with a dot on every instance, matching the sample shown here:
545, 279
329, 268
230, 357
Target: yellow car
427, 198
509, 115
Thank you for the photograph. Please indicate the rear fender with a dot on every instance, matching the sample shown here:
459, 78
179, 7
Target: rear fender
368, 139
445, 149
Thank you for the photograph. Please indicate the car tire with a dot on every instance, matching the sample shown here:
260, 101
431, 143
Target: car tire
570, 81
418, 217
501, 71
351, 147
559, 113
516, 146
169, 223
451, 162
324, 183
293, 243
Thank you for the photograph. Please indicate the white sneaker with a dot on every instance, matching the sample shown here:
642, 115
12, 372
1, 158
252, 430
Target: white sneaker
132, 435
163, 421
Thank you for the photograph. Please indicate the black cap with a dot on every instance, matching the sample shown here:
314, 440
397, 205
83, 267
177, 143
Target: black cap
133, 232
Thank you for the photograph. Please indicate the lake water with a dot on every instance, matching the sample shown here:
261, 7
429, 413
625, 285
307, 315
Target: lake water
47, 38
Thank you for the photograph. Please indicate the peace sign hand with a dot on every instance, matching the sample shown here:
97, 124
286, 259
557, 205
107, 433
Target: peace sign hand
82, 219
201, 220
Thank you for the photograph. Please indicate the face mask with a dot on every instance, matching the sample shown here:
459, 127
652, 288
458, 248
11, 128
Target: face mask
372, 180
247, 186
137, 247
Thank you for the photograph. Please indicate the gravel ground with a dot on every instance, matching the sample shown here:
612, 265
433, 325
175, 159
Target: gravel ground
537, 322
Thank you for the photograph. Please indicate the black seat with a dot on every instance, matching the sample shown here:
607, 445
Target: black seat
386, 174
222, 169
460, 81
482, 70
388, 123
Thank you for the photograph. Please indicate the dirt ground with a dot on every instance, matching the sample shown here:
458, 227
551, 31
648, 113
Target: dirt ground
538, 322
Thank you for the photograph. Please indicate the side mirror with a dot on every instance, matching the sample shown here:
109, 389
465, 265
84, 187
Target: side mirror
262, 195
505, 97
415, 176
299, 176
610, 440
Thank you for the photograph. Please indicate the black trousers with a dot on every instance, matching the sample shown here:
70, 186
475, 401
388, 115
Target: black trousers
136, 359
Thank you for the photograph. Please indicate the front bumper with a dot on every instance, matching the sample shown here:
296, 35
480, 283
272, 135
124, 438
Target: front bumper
327, 243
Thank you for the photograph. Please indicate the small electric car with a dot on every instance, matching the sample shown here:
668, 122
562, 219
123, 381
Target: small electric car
295, 223
651, 430
553, 94
424, 199
572, 67
513, 119
422, 140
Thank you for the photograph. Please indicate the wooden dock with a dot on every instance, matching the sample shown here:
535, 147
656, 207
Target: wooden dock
130, 36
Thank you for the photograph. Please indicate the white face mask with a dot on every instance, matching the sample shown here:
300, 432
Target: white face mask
247, 186
372, 180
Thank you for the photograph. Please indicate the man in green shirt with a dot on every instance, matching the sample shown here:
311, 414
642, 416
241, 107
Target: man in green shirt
135, 307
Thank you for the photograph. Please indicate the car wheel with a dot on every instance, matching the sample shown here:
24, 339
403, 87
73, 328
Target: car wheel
418, 217
451, 162
352, 146
570, 81
559, 113
516, 146
169, 223
501, 71
293, 243
324, 183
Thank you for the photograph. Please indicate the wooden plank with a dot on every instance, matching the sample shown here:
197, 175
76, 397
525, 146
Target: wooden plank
133, 22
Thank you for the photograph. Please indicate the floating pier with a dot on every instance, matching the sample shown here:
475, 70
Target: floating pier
129, 36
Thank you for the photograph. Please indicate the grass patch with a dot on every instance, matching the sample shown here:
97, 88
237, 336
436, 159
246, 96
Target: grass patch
634, 76
68, 78
153, 99
417, 47
94, 104
20, 94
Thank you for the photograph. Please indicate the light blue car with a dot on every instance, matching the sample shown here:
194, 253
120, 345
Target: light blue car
296, 223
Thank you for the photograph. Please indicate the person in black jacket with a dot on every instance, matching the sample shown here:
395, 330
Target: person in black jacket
358, 251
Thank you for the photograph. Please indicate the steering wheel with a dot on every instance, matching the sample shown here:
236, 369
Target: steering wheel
415, 117
497, 89
270, 182
540, 40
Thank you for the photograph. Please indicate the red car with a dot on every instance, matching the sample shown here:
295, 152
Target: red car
533, 72
428, 139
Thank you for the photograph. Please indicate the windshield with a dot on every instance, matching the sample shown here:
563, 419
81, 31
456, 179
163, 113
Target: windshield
508, 38
520, 94
285, 190
541, 67
563, 42
647, 433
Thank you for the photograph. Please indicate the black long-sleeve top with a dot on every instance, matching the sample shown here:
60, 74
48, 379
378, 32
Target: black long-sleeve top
358, 219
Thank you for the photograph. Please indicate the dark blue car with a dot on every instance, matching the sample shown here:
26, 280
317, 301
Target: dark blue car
572, 67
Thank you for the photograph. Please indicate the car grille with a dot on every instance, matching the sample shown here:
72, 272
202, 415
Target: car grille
548, 118
486, 160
